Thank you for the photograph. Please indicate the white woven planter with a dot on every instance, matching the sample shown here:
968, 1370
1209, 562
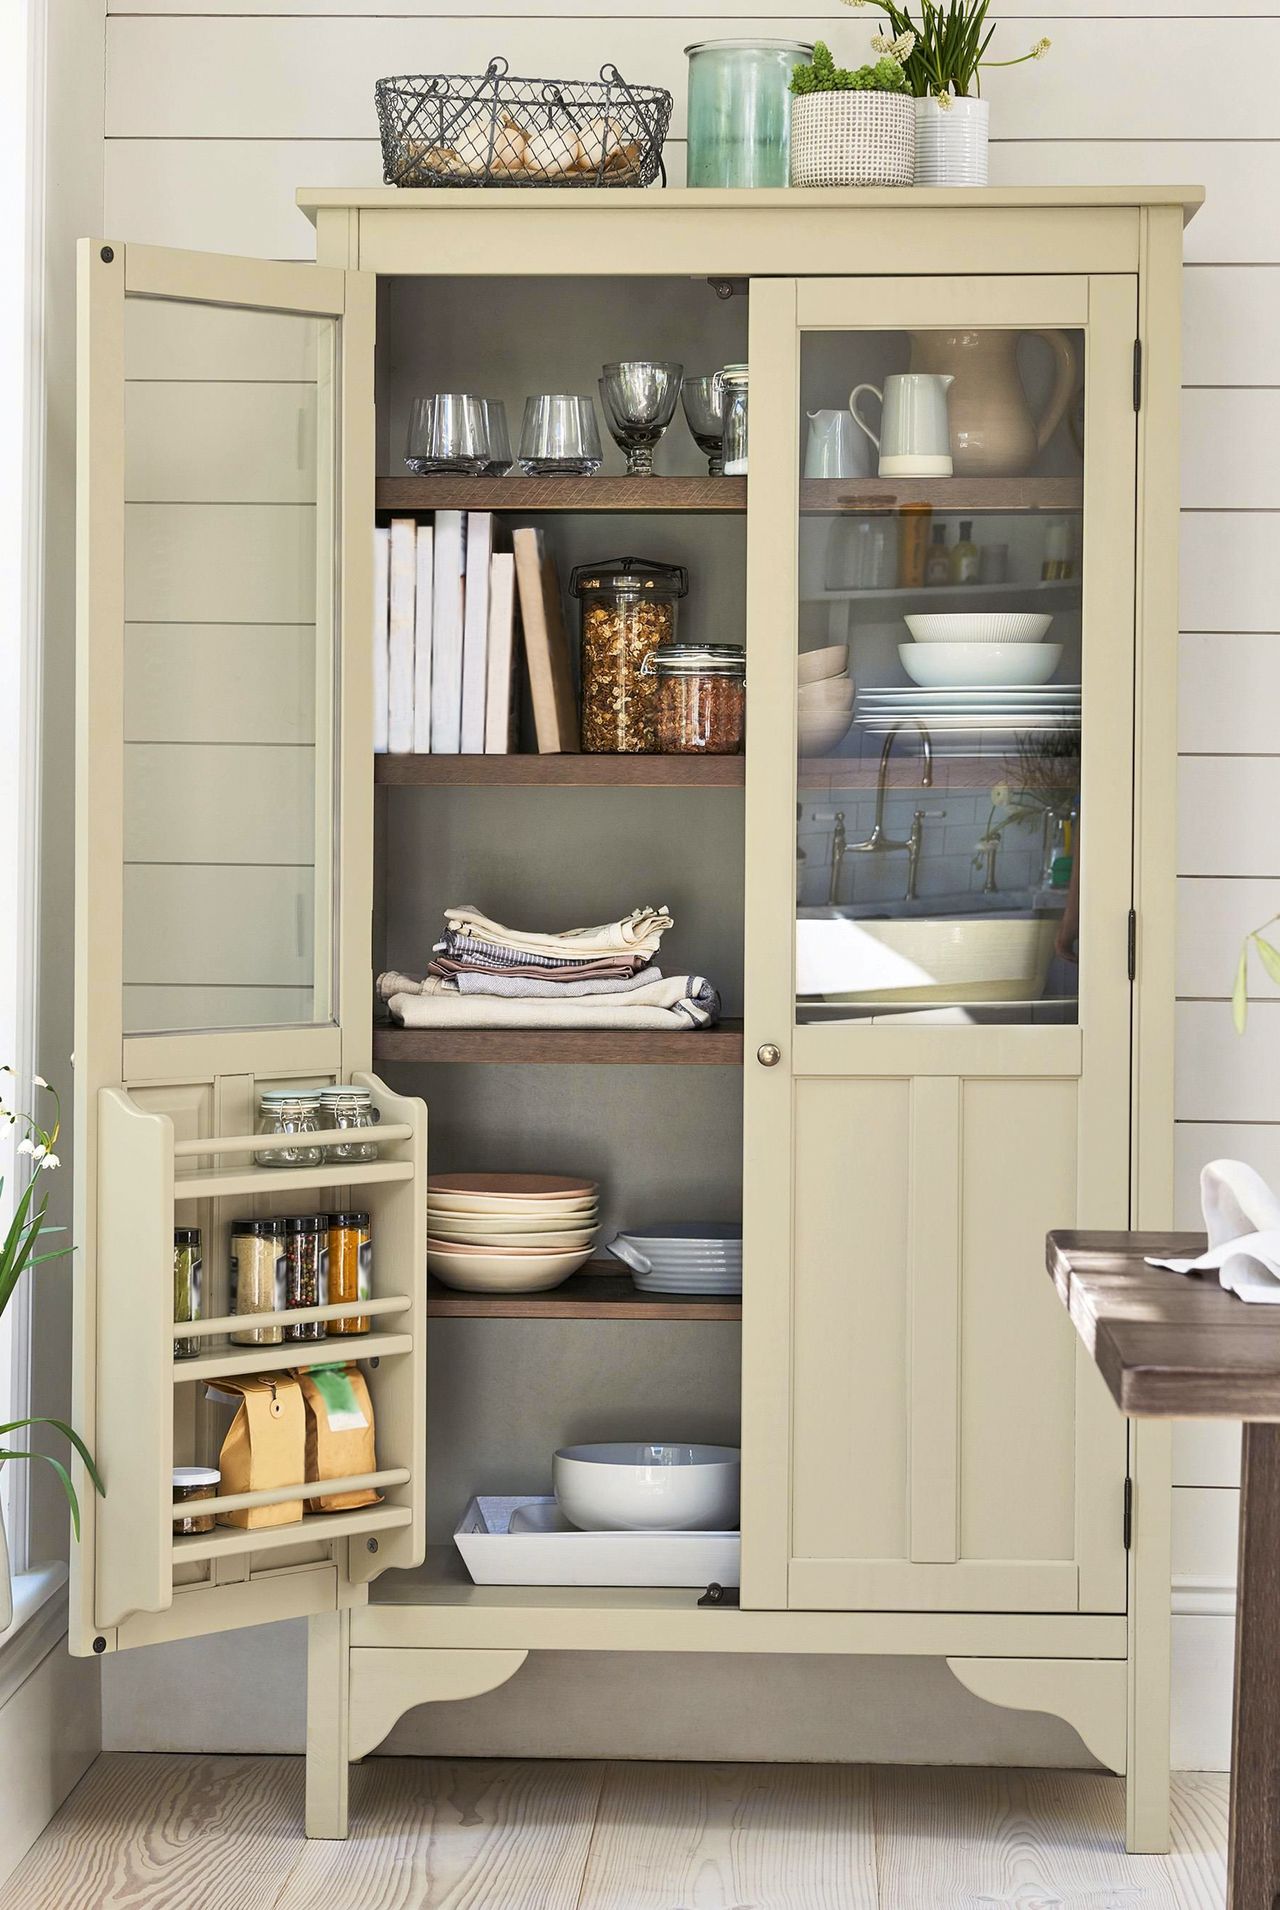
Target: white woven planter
853, 139
951, 142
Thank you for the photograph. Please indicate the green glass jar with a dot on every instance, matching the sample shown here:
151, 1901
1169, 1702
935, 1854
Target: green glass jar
740, 111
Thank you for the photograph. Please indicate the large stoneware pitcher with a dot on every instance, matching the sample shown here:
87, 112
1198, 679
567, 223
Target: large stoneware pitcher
993, 433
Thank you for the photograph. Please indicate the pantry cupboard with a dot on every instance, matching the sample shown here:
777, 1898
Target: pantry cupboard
929, 1464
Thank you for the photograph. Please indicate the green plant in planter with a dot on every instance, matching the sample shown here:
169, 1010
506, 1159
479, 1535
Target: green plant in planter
948, 46
822, 75
17, 1254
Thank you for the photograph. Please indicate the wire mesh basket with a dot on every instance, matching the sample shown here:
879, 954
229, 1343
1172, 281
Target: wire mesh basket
448, 129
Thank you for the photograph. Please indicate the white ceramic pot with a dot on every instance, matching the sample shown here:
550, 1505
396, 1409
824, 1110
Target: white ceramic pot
951, 142
852, 139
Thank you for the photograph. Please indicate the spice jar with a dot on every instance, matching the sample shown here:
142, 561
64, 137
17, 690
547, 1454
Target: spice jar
289, 1111
257, 1278
733, 380
628, 609
190, 1485
188, 1270
350, 1272
350, 1108
702, 698
306, 1238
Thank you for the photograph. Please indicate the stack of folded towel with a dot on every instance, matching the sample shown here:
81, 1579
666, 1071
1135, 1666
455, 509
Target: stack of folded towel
486, 975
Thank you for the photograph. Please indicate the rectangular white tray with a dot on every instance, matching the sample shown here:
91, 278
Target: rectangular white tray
494, 1555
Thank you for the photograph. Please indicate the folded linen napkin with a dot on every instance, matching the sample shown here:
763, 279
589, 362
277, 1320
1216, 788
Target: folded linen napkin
1242, 1219
671, 1001
636, 934
534, 988
453, 957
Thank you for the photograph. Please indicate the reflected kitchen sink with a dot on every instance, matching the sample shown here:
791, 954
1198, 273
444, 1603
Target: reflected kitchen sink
969, 948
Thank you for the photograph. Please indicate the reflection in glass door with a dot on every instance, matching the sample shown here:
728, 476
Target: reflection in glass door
940, 675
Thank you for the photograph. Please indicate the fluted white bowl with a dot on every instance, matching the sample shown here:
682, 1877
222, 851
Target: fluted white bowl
979, 626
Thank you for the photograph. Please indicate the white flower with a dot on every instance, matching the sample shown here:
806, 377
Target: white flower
942, 101
38, 1151
853, 3
903, 47
39, 1081
27, 1146
50, 1160
1000, 795
1040, 48
880, 43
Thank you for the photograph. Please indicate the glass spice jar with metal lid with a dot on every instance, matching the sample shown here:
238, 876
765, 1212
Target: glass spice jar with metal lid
701, 698
289, 1111
187, 1282
350, 1108
628, 610
350, 1269
257, 1278
306, 1246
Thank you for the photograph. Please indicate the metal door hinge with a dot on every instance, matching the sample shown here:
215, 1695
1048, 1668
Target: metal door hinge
1132, 951
716, 1594
1128, 1514
1137, 374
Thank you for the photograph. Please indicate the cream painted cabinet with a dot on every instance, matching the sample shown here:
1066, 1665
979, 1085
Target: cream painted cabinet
924, 892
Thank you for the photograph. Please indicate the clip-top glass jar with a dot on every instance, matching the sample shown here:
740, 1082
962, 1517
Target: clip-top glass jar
734, 380
702, 698
628, 609
289, 1111
346, 1107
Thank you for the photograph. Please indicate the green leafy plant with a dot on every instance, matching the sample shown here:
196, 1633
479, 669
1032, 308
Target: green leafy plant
822, 75
1269, 955
948, 46
17, 1254
1041, 779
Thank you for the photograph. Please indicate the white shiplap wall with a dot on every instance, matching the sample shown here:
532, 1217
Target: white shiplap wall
217, 110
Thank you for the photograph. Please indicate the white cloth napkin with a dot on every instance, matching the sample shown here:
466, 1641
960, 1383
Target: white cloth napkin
1242, 1219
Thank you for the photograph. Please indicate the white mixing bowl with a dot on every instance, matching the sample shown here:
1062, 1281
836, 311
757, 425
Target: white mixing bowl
951, 666
631, 1487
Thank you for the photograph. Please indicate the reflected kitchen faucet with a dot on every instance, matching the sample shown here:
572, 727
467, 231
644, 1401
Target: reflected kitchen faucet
878, 843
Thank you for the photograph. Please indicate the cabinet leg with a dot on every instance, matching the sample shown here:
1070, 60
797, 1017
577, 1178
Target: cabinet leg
328, 1723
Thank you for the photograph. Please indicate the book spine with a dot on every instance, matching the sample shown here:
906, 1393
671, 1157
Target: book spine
381, 657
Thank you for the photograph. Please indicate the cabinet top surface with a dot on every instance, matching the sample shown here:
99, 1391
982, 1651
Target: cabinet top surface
734, 201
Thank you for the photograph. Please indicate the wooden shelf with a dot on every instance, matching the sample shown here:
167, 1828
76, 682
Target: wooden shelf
599, 1292
568, 1047
561, 772
513, 493
976, 494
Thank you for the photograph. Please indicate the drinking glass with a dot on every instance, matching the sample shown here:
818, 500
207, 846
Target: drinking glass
495, 419
447, 433
703, 401
559, 436
639, 398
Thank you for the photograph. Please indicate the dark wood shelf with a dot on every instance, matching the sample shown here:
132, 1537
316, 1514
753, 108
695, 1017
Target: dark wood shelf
567, 1047
560, 494
561, 772
597, 1293
976, 494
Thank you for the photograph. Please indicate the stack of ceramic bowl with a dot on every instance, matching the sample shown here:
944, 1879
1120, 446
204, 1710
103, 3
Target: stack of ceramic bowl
976, 672
824, 698
509, 1233
695, 1258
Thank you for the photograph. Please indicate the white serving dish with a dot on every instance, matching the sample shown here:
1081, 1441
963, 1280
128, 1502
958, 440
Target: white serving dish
938, 666
502, 1227
633, 1486
527, 1541
487, 1207
445, 1236
979, 626
472, 1272
813, 665
821, 730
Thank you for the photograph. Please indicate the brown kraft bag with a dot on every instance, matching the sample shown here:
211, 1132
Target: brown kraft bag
265, 1446
340, 1435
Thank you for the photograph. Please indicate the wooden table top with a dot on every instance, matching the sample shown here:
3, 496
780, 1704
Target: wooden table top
1169, 1345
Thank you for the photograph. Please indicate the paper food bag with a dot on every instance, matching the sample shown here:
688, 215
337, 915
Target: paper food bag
340, 1437
265, 1446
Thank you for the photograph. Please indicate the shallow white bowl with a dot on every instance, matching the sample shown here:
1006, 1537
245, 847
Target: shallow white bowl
484, 1206
503, 1273
813, 665
632, 1487
820, 730
441, 1221
833, 693
503, 1243
939, 666
979, 626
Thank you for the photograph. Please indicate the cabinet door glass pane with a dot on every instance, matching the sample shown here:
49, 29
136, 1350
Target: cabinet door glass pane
229, 667
939, 681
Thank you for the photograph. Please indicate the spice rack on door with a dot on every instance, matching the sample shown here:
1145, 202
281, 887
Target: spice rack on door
133, 1428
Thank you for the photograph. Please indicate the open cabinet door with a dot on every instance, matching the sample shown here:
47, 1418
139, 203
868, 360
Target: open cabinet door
224, 851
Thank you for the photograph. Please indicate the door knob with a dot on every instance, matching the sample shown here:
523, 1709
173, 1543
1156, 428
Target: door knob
769, 1055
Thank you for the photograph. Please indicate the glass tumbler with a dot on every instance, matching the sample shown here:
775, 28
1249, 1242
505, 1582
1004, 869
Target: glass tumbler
495, 424
740, 111
447, 432
560, 436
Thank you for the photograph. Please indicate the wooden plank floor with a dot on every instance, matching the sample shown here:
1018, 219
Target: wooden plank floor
213, 1833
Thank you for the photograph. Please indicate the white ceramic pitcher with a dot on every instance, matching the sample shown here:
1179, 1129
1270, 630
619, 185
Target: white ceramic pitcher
915, 438
834, 448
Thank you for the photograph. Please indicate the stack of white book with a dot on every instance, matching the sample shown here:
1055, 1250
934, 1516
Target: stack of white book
444, 648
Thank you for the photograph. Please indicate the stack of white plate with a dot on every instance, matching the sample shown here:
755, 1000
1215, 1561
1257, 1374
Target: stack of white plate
689, 1257
509, 1233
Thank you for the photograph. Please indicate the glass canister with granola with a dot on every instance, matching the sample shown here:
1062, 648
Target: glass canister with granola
628, 611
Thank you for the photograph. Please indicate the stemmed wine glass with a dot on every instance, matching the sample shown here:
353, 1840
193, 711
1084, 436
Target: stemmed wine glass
639, 399
703, 401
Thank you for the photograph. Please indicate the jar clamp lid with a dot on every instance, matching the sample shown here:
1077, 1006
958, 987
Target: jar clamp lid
277, 1097
363, 1095
628, 576
186, 1476
696, 659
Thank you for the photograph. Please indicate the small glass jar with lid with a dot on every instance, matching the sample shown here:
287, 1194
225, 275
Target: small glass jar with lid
734, 381
353, 1109
257, 1278
306, 1248
628, 609
187, 1283
191, 1484
289, 1111
702, 698
350, 1269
